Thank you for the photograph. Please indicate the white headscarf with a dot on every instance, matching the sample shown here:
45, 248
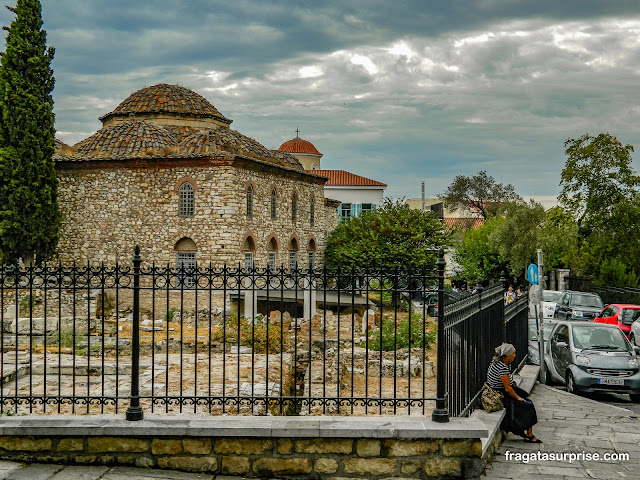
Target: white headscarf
503, 350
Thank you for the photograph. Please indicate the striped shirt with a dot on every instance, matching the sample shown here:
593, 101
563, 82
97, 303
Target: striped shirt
497, 370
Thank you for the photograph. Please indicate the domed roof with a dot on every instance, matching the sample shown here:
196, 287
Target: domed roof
300, 146
127, 138
165, 98
226, 140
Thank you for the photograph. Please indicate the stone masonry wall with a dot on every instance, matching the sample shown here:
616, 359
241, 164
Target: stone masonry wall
309, 458
107, 211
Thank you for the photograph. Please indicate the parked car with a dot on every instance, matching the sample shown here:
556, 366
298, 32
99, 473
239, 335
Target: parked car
549, 301
620, 314
430, 299
578, 305
592, 357
634, 336
534, 355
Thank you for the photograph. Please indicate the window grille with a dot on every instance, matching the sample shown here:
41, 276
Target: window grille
186, 265
186, 200
274, 204
272, 261
293, 260
312, 211
248, 261
249, 201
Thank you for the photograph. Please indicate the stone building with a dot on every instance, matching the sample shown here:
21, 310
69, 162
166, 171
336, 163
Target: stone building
167, 173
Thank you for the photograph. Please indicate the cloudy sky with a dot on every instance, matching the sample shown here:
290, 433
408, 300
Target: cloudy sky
399, 91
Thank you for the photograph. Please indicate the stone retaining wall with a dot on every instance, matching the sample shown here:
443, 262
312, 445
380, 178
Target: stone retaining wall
332, 448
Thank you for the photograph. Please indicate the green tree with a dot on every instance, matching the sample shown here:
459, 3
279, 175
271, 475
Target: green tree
479, 193
476, 256
516, 237
394, 235
29, 216
558, 239
597, 175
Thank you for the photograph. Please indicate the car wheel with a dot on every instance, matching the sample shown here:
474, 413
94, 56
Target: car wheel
632, 339
571, 384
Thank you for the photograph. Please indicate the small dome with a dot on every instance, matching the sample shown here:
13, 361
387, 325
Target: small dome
128, 138
299, 146
165, 98
226, 140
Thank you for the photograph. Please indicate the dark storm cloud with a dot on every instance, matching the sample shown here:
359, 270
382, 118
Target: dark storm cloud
397, 91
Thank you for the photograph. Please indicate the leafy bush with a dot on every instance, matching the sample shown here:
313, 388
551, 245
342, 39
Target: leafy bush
252, 335
396, 338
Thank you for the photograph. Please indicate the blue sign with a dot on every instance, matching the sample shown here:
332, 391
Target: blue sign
532, 274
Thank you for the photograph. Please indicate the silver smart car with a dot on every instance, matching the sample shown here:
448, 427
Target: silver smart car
592, 357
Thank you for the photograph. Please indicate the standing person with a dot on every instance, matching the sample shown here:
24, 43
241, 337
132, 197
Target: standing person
521, 413
518, 292
509, 295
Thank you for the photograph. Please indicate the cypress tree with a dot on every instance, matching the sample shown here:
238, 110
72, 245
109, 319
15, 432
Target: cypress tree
29, 216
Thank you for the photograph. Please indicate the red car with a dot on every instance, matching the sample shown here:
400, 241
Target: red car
620, 314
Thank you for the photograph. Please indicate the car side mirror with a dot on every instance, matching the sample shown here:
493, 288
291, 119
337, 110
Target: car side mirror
636, 349
562, 345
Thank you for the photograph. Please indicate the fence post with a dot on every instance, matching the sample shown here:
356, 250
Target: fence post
503, 324
134, 412
440, 413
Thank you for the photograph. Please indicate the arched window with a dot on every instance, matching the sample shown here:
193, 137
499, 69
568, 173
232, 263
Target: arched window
312, 211
315, 166
274, 203
249, 248
311, 248
186, 250
249, 201
293, 254
186, 200
294, 208
272, 251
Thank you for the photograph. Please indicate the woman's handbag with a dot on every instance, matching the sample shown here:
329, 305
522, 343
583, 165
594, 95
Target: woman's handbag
491, 399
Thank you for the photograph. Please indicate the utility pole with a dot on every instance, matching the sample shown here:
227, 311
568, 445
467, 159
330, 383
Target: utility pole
540, 313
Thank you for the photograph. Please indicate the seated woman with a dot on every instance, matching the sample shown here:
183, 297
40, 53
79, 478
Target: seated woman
521, 414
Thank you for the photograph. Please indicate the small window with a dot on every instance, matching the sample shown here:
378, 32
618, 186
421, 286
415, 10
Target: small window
345, 211
186, 200
249, 201
293, 260
294, 208
315, 167
367, 207
274, 204
272, 261
312, 260
248, 261
186, 265
312, 211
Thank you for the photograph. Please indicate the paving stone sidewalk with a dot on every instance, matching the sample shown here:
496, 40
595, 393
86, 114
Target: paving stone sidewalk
38, 471
570, 424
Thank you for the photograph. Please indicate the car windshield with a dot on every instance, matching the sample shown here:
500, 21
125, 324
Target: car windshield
599, 338
585, 300
551, 296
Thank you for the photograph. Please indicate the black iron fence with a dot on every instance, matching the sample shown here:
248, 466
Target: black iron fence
144, 338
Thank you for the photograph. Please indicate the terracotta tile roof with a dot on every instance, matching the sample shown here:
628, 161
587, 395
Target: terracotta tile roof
165, 98
226, 140
341, 177
128, 138
455, 223
298, 145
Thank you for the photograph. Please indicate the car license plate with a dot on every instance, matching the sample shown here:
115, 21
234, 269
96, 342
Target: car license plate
611, 381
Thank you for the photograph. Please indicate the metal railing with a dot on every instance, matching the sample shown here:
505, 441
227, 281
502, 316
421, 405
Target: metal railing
608, 294
141, 338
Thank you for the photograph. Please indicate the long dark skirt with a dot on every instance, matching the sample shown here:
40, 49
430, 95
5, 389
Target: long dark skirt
521, 416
